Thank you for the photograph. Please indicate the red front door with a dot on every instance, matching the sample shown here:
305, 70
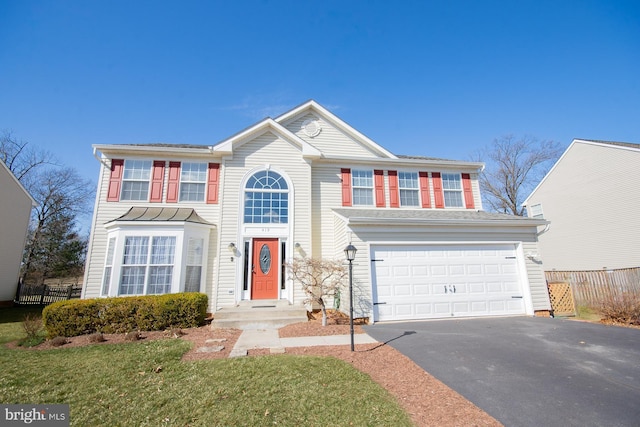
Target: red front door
264, 271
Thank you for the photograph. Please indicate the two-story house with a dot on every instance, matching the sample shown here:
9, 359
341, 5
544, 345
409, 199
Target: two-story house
225, 219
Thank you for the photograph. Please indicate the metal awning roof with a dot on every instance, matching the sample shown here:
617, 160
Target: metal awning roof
162, 215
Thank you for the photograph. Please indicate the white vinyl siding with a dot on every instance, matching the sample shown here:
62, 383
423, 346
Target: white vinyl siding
331, 140
592, 201
16, 209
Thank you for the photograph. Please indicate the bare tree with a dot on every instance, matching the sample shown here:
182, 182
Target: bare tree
62, 195
514, 166
321, 279
53, 245
22, 159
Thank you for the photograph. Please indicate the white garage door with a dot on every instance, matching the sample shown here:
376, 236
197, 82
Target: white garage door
426, 282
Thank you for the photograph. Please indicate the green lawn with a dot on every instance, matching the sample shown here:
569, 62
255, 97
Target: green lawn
117, 385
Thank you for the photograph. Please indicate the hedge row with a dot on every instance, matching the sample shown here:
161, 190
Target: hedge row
124, 314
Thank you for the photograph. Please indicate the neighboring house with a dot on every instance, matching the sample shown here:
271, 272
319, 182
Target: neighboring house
15, 213
591, 197
224, 219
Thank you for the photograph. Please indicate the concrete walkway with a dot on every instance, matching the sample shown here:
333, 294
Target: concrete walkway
251, 339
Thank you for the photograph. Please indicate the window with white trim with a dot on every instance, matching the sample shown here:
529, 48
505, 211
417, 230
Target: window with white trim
193, 274
266, 199
147, 269
193, 180
452, 187
362, 187
409, 190
135, 180
108, 266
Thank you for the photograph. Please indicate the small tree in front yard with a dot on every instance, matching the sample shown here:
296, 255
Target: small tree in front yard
321, 279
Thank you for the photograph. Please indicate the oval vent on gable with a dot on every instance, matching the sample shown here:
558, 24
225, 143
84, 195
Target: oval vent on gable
311, 127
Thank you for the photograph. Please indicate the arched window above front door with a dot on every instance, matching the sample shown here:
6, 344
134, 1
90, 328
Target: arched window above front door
266, 199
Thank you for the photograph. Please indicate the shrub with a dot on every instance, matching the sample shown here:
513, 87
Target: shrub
96, 337
621, 308
132, 336
125, 314
58, 341
32, 325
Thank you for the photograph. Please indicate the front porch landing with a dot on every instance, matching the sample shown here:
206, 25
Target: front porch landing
259, 314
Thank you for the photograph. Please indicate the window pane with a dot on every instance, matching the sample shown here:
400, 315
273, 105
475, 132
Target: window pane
409, 198
106, 280
194, 251
362, 196
135, 190
362, 183
453, 199
132, 280
160, 280
408, 184
192, 279
193, 178
162, 250
135, 179
451, 181
135, 250
137, 170
193, 172
266, 207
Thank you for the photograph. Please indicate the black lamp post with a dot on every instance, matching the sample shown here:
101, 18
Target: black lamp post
350, 253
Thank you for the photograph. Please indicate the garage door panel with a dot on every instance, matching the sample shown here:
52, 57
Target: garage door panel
421, 290
402, 290
421, 282
385, 291
457, 270
438, 270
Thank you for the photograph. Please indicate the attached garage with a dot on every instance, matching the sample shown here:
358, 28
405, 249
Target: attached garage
428, 281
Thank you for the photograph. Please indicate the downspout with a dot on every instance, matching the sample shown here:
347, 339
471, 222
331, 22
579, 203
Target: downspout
99, 158
546, 228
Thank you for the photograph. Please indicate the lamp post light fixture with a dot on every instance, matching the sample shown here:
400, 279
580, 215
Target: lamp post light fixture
350, 253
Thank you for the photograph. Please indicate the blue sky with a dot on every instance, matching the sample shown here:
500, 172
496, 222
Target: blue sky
432, 78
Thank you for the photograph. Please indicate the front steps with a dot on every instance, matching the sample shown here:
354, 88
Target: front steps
259, 314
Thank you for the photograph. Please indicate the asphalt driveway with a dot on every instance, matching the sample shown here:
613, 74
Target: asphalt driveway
527, 371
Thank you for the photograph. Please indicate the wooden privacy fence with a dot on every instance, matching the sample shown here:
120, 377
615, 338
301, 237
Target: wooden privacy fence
45, 294
590, 287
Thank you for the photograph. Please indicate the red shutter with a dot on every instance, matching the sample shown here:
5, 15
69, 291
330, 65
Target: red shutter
213, 181
346, 187
173, 184
379, 183
115, 180
438, 195
394, 194
157, 181
424, 189
468, 193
